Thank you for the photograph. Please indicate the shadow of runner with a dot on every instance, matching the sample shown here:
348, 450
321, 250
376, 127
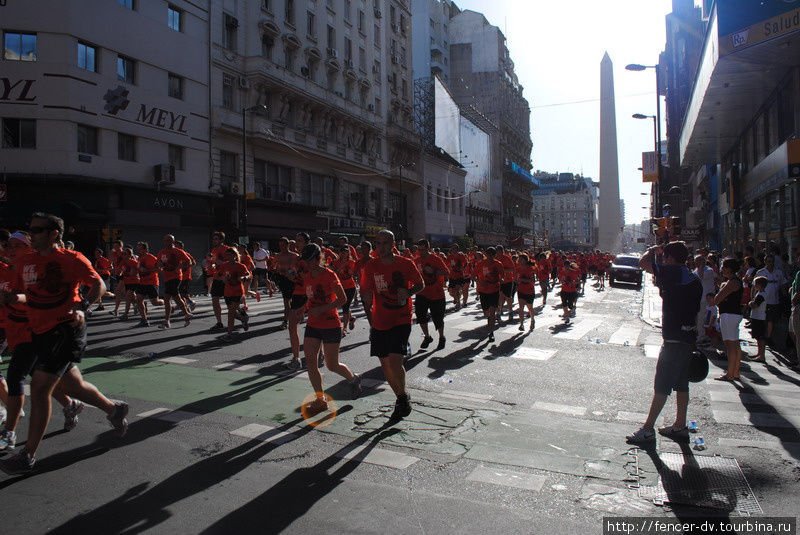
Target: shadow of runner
294, 495
454, 361
140, 508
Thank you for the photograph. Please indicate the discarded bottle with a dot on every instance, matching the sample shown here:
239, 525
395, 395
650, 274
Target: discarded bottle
692, 426
151, 354
408, 350
699, 443
626, 343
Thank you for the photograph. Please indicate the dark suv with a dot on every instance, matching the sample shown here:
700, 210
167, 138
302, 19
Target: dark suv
625, 269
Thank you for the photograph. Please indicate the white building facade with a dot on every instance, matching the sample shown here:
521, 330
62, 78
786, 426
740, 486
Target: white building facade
565, 211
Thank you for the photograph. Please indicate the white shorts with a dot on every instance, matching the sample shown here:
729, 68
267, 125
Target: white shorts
729, 326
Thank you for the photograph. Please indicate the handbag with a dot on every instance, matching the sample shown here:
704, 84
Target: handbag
698, 366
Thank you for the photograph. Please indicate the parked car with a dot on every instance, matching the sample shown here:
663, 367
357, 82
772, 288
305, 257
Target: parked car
625, 268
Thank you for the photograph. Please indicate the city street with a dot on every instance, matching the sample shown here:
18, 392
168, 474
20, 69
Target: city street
525, 435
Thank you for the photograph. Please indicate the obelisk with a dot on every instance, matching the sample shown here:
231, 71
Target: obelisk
610, 219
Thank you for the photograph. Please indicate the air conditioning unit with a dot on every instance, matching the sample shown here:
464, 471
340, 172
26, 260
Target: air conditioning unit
244, 83
289, 196
305, 71
378, 14
235, 188
164, 173
333, 53
352, 212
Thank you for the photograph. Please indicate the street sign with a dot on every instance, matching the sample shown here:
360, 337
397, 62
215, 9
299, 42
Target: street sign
649, 167
690, 234
3, 192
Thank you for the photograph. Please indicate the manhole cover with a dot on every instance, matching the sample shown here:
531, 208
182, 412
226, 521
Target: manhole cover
713, 482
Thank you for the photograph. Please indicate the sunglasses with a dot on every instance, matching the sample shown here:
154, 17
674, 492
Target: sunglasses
37, 230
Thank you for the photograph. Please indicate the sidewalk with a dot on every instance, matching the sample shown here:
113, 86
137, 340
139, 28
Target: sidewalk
651, 302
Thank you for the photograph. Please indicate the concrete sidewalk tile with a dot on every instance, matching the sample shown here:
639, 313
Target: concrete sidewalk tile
530, 353
264, 433
559, 408
507, 478
176, 360
379, 457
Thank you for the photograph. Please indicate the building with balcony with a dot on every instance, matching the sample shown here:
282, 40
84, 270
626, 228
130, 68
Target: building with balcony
742, 121
328, 91
482, 77
101, 126
565, 211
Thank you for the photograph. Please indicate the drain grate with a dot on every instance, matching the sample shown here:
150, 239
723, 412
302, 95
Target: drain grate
713, 482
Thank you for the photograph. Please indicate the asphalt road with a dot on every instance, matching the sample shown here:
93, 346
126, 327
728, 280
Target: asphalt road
525, 435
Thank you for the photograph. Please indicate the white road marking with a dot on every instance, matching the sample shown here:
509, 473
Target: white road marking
507, 478
530, 353
234, 367
175, 416
148, 414
379, 457
626, 333
579, 330
264, 433
177, 360
557, 407
466, 396
651, 351
758, 419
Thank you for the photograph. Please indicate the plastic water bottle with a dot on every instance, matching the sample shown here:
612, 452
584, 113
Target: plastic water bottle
152, 354
699, 443
408, 350
692, 426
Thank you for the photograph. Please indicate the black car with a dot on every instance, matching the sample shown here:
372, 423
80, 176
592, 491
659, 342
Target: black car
625, 268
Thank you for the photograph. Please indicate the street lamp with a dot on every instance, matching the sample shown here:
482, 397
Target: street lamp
243, 215
636, 67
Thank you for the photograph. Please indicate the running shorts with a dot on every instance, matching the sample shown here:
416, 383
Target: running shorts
390, 341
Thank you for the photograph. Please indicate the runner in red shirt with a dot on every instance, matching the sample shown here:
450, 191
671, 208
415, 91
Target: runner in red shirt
148, 281
117, 257
430, 303
489, 274
186, 278
299, 300
234, 275
172, 261
458, 285
129, 274
526, 289
218, 257
387, 286
570, 275
543, 274
324, 328
247, 260
103, 267
345, 267
507, 289
50, 279
285, 262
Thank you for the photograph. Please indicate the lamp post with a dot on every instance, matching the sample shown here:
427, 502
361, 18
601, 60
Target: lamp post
243, 213
638, 68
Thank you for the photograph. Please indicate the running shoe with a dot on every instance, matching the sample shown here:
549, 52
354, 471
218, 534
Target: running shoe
258, 297
642, 436
294, 364
217, 327
123, 317
245, 320
3, 414
19, 464
352, 323
317, 406
355, 387
284, 325
117, 418
426, 342
521, 327
442, 343
143, 323
71, 412
113, 312
8, 439
99, 308
402, 407
227, 337
192, 306
491, 337
164, 325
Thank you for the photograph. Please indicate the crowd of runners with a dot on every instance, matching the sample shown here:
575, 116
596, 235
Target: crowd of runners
48, 289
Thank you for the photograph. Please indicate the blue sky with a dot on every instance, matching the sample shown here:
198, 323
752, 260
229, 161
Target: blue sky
557, 48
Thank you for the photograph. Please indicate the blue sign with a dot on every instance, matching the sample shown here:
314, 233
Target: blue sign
735, 15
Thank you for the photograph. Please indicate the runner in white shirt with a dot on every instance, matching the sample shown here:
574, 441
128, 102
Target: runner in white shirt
776, 280
260, 256
708, 278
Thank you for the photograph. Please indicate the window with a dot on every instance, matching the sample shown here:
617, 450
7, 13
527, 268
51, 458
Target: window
405, 88
377, 105
266, 5
267, 46
229, 32
446, 201
288, 14
19, 133
126, 147
316, 190
87, 57
278, 178
331, 37
20, 46
126, 3
376, 69
438, 199
402, 24
87, 139
347, 6
288, 58
348, 49
174, 18
311, 27
392, 14
362, 60
461, 206
227, 91
175, 154
125, 68
227, 167
361, 26
175, 86
430, 197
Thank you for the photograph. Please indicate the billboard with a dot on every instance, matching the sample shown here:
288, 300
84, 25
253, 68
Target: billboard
745, 23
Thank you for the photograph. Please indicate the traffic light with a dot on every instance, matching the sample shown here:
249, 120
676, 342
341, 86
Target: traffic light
675, 227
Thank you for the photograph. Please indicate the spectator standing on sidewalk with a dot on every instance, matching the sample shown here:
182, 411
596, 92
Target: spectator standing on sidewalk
708, 278
729, 301
776, 281
794, 319
681, 291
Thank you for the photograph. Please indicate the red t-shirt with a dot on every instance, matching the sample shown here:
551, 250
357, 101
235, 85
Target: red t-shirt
247, 260
130, 271
296, 274
170, 258
117, 258
51, 286
219, 255
329, 256
321, 290
434, 284
147, 270
525, 280
457, 263
103, 266
542, 270
232, 273
508, 267
345, 269
14, 317
569, 279
490, 273
383, 280
186, 273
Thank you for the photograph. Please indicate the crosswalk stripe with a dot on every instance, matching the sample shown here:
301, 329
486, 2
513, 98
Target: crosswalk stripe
557, 407
626, 333
529, 353
758, 419
507, 478
234, 367
579, 330
264, 433
651, 351
177, 360
379, 457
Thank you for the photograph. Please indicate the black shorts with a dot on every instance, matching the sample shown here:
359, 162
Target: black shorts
508, 289
58, 348
758, 329
773, 313
285, 286
233, 300
217, 288
131, 287
149, 291
526, 298
260, 273
489, 300
172, 287
568, 299
394, 341
457, 283
183, 287
349, 294
672, 368
23, 360
298, 301
328, 336
436, 307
